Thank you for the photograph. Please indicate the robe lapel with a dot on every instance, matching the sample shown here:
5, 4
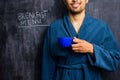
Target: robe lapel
69, 27
83, 29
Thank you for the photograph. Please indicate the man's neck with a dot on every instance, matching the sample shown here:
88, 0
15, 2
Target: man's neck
77, 17
77, 20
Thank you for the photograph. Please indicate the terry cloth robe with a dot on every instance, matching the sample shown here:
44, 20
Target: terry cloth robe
63, 64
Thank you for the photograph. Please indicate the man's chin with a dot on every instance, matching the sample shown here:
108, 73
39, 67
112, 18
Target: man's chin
75, 12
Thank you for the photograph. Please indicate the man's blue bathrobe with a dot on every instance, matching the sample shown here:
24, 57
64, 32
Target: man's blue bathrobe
63, 64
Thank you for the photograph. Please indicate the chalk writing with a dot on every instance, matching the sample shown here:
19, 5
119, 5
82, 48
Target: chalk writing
32, 18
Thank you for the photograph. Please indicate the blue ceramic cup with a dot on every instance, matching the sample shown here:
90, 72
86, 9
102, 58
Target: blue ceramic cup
65, 41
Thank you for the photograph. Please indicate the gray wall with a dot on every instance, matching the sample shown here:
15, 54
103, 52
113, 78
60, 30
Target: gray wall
23, 24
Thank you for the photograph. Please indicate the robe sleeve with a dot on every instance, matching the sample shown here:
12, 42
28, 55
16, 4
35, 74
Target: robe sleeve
107, 55
48, 63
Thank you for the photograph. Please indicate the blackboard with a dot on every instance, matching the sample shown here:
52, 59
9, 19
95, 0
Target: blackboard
23, 24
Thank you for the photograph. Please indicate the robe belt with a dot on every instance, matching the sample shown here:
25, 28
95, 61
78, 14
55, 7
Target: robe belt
77, 66
82, 66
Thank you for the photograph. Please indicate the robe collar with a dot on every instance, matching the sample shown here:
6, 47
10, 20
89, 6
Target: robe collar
71, 30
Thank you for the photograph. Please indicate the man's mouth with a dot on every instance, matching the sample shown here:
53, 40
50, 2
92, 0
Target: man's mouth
75, 5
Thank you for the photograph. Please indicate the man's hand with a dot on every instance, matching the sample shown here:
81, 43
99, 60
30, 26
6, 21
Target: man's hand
82, 46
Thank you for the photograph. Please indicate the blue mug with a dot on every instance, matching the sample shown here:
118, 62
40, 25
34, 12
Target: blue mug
65, 41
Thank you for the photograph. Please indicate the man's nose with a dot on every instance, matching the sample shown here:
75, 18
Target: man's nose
74, 0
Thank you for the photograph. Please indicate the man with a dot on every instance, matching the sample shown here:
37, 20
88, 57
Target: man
94, 47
